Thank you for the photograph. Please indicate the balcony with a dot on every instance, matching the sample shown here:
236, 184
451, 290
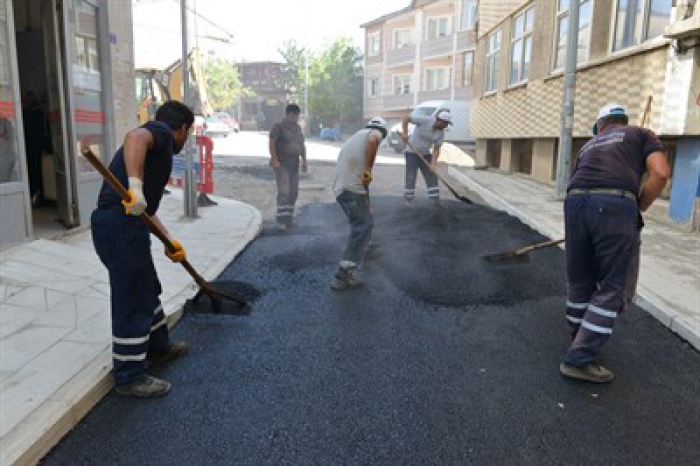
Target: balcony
442, 94
436, 47
398, 102
466, 40
403, 56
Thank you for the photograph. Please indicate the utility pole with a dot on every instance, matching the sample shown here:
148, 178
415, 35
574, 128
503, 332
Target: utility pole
189, 184
567, 110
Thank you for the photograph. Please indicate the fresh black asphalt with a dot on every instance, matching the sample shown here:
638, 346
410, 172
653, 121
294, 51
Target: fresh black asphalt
441, 359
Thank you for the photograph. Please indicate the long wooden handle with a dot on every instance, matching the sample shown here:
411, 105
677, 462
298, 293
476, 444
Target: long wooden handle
545, 244
647, 107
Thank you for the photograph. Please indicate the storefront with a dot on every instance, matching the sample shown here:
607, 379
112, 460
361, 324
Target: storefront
55, 81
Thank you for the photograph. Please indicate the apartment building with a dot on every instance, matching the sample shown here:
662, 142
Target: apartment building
422, 52
637, 53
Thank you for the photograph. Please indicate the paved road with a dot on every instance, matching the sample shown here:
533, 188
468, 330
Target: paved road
441, 359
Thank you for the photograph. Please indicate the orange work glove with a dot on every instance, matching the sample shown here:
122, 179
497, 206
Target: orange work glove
179, 255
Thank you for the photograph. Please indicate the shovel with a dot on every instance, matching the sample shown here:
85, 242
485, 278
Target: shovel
520, 255
216, 297
439, 177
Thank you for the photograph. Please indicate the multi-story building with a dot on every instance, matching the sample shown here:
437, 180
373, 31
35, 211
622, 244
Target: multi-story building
422, 52
638, 53
77, 59
265, 105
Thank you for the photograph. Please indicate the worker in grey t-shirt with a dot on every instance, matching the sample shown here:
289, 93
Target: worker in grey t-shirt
353, 174
427, 138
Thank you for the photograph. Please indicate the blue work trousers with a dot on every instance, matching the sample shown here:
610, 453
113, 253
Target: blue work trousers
602, 266
139, 326
287, 177
412, 167
356, 208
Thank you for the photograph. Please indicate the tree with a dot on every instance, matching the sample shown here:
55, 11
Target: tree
293, 76
335, 93
223, 84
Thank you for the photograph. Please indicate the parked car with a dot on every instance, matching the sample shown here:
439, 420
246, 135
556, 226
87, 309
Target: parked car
457, 132
228, 120
213, 126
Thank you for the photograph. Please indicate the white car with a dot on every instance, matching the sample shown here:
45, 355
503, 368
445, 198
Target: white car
213, 126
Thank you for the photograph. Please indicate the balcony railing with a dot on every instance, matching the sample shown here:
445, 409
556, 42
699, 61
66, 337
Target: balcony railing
402, 56
399, 101
442, 94
436, 47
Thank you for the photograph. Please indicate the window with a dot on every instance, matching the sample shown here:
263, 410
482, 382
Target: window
468, 69
436, 79
402, 84
639, 20
373, 44
402, 38
584, 32
521, 46
373, 87
493, 53
467, 18
438, 27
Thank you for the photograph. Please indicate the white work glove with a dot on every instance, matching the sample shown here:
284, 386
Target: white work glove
137, 202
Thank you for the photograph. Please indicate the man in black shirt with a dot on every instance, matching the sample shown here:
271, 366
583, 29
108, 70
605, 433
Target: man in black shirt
123, 243
286, 147
603, 225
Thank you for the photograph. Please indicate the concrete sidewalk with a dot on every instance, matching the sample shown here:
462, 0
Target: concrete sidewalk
669, 279
55, 330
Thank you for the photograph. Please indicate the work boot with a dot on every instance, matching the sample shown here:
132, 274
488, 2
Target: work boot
591, 372
174, 351
148, 387
344, 280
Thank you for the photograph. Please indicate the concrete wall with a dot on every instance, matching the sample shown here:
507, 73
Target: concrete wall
543, 157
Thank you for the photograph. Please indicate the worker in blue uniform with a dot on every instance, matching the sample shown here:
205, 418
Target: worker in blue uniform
122, 241
603, 223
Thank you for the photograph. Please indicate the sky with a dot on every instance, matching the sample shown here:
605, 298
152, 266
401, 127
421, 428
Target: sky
259, 27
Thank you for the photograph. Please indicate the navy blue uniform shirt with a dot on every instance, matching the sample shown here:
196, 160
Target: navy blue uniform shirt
156, 170
616, 158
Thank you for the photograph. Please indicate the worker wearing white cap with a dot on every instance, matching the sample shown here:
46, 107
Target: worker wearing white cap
427, 139
603, 225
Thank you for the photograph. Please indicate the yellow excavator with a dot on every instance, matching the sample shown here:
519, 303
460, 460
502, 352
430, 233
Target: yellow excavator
155, 86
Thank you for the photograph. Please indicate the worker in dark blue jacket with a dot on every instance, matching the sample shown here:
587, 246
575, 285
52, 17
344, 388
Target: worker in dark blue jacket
603, 223
139, 328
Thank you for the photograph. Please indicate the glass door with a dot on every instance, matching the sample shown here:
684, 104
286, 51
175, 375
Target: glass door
85, 99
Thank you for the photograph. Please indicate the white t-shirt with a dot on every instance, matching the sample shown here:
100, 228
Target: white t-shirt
424, 136
351, 162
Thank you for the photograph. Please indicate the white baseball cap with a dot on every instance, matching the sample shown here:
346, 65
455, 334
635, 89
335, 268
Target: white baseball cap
609, 110
444, 115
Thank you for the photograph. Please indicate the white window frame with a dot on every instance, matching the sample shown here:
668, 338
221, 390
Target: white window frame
644, 33
524, 37
557, 21
470, 7
372, 40
467, 77
493, 56
395, 36
448, 74
448, 22
373, 87
402, 83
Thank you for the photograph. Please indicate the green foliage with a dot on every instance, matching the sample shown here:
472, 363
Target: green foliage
335, 81
223, 84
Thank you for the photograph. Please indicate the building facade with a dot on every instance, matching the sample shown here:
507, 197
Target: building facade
642, 54
265, 106
422, 52
74, 59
